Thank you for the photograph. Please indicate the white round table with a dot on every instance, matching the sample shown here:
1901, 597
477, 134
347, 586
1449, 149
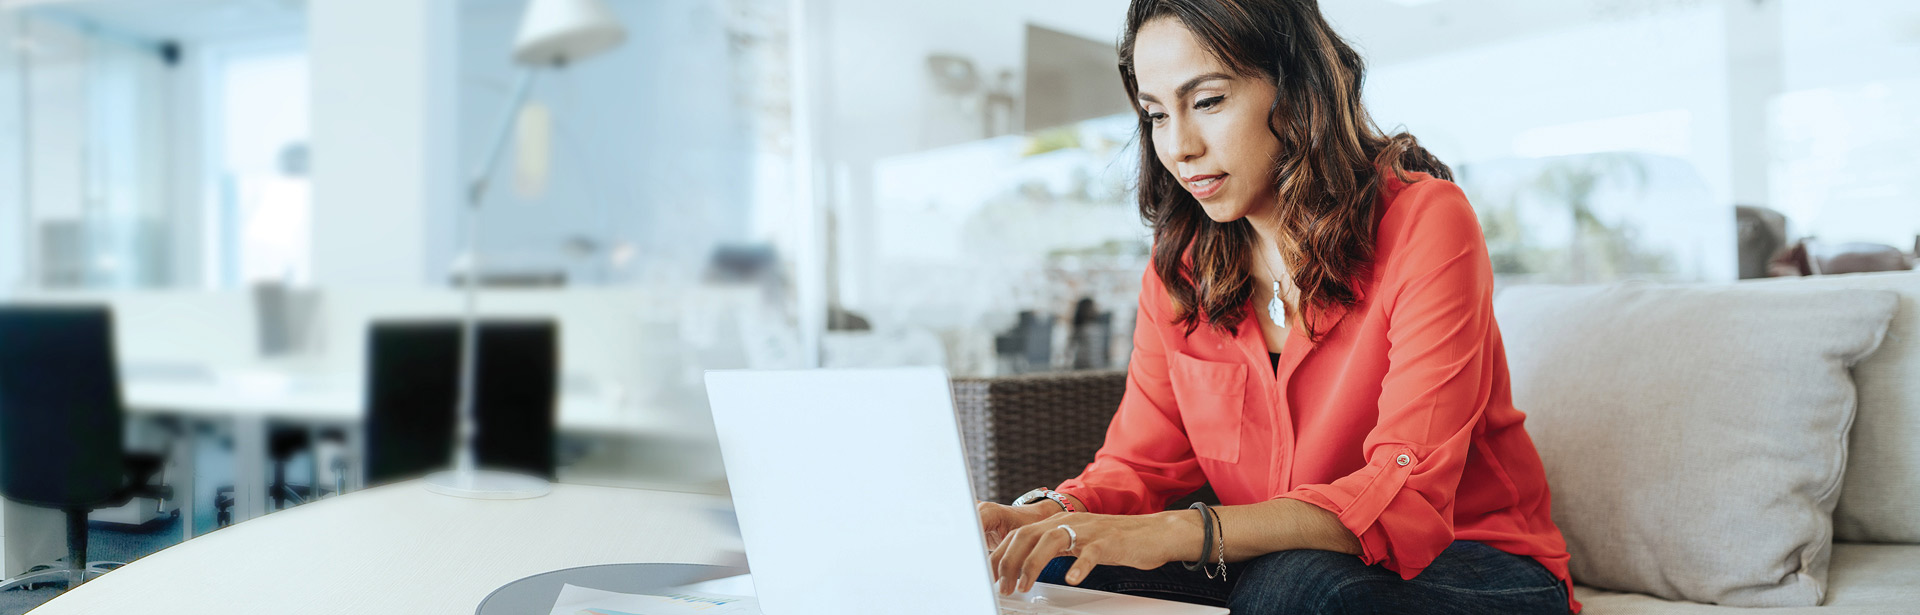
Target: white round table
401, 549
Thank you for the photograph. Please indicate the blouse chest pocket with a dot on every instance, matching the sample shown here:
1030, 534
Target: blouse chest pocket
1210, 395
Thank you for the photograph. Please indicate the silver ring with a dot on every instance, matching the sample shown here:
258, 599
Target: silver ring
1072, 538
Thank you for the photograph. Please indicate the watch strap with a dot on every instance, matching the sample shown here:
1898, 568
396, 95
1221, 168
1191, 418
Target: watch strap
1044, 493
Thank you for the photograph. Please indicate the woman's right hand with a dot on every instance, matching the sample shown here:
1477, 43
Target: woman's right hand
998, 520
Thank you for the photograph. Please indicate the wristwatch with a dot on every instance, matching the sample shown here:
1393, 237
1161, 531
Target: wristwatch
1044, 493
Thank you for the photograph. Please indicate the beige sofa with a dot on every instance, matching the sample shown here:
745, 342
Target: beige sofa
1877, 579
1874, 564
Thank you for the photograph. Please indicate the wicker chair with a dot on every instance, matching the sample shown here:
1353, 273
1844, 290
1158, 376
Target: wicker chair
1035, 430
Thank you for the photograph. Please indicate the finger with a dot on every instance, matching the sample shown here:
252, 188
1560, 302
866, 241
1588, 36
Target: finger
1000, 551
1051, 544
1009, 553
1082, 566
1019, 546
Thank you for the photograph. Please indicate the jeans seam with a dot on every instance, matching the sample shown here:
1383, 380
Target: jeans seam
1552, 581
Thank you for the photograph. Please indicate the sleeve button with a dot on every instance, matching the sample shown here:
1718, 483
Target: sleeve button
1403, 459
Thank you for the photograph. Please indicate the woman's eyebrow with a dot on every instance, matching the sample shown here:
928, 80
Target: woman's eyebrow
1186, 88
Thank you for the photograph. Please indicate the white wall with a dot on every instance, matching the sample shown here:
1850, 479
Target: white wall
383, 178
1754, 78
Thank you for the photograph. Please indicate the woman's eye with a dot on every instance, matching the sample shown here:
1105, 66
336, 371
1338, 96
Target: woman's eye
1208, 103
1156, 117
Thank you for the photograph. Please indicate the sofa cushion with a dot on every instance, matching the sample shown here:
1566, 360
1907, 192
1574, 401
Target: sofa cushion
1880, 498
1694, 436
1866, 579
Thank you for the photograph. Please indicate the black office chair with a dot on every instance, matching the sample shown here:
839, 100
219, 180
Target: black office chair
61, 424
283, 442
413, 378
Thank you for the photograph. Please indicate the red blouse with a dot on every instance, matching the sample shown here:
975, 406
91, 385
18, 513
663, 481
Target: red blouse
1399, 421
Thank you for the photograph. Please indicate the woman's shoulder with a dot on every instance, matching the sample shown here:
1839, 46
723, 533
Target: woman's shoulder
1153, 293
1424, 206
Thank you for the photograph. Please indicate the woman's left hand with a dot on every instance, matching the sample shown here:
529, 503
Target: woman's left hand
1136, 541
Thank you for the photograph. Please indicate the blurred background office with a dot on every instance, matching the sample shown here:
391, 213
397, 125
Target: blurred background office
254, 188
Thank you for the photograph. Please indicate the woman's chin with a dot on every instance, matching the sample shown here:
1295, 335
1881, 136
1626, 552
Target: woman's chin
1223, 213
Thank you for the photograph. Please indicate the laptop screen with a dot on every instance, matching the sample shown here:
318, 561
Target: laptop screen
851, 489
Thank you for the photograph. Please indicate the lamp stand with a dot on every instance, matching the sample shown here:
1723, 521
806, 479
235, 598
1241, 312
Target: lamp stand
466, 479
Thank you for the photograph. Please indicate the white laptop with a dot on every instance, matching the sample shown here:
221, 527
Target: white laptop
852, 494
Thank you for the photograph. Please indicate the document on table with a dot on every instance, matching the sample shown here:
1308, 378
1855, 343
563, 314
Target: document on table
576, 600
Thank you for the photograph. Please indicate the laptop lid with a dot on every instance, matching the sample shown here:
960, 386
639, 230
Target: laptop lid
851, 488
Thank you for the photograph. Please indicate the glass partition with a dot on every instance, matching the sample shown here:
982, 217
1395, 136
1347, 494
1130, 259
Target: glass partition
94, 106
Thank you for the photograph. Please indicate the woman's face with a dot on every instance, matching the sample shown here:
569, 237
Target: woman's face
1209, 124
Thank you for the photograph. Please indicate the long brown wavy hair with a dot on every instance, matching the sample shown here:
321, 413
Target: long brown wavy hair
1328, 174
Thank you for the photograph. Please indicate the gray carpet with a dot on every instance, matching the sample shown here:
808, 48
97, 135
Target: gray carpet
113, 543
119, 543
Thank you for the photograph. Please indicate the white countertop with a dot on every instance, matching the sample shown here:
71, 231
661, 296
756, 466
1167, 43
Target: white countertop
403, 550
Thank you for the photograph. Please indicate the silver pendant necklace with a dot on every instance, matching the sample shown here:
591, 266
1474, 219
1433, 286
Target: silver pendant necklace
1276, 309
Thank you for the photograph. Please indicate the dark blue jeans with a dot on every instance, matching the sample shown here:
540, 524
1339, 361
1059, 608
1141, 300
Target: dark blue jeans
1467, 578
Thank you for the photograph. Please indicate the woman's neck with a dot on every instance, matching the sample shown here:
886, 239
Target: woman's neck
1269, 238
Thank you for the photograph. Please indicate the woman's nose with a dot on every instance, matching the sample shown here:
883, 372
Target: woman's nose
1184, 143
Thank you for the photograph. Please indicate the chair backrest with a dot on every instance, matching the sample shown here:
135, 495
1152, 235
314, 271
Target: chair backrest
60, 409
413, 380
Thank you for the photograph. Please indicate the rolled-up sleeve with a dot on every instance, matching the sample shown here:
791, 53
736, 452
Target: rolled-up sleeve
1146, 459
1436, 390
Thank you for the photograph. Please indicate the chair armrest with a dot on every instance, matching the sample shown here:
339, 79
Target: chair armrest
1033, 430
1037, 430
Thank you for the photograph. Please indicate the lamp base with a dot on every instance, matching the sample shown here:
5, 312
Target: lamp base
488, 485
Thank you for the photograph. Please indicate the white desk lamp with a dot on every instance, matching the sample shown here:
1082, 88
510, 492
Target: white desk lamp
553, 33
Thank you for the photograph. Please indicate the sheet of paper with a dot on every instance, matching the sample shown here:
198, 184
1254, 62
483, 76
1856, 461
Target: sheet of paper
733, 586
576, 600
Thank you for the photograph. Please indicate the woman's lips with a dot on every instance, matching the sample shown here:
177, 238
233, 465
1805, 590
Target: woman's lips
1203, 186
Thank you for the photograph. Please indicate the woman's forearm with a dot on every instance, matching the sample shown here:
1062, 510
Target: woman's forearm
1253, 530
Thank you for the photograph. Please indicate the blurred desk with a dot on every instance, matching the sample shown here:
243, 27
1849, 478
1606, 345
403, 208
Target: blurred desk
403, 550
248, 397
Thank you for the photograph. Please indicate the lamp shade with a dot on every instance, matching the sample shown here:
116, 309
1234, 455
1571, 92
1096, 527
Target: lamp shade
557, 31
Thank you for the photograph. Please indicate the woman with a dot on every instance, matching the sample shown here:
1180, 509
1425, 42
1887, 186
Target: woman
1315, 341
